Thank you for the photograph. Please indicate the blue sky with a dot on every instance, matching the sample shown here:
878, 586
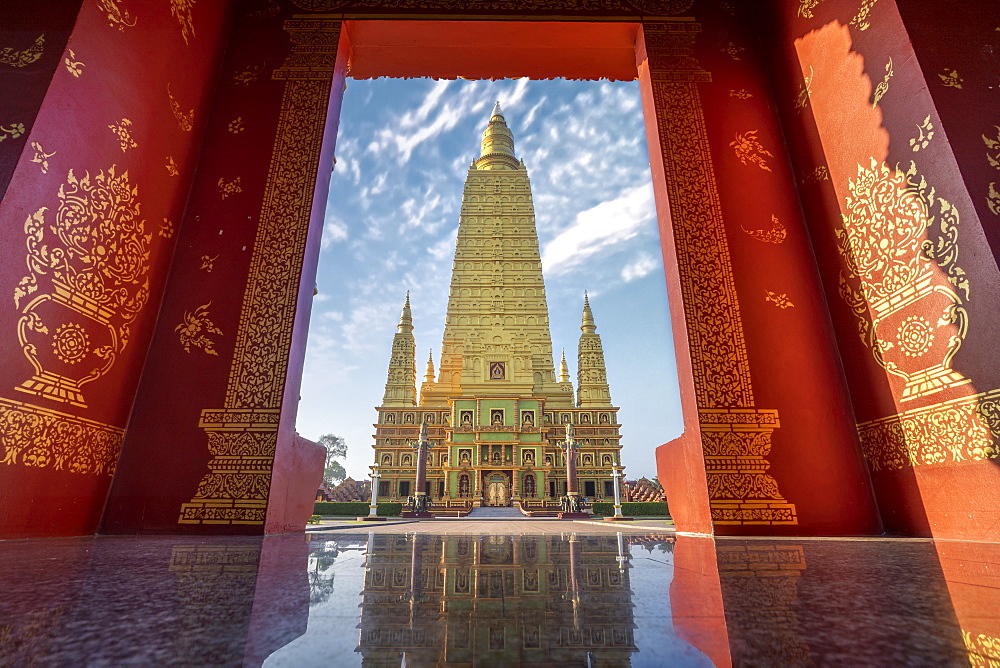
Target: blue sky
405, 147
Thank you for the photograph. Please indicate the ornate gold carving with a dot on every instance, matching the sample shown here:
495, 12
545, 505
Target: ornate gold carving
41, 437
775, 235
750, 151
821, 173
883, 86
184, 120
195, 328
71, 343
925, 133
13, 131
121, 130
172, 166
40, 157
860, 20
670, 52
242, 436
741, 94
984, 650
117, 15
166, 229
236, 125
231, 187
74, 66
733, 51
780, 300
87, 265
248, 75
208, 262
655, 7
806, 8
181, 10
951, 79
959, 431
993, 199
802, 99
736, 436
24, 57
893, 269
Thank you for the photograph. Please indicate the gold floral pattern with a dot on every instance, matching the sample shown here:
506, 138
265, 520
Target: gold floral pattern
208, 262
821, 173
883, 86
992, 145
984, 650
780, 300
248, 75
195, 328
89, 263
951, 79
121, 129
741, 94
915, 336
892, 268
40, 157
185, 121
181, 10
73, 66
71, 343
802, 99
925, 133
733, 51
775, 235
993, 199
231, 187
166, 229
959, 431
24, 57
860, 20
12, 131
117, 15
806, 8
236, 125
750, 151
45, 438
172, 166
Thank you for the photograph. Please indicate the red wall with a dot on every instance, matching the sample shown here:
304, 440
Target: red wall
60, 449
931, 448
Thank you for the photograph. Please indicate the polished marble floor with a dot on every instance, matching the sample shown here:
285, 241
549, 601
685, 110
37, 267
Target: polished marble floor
556, 594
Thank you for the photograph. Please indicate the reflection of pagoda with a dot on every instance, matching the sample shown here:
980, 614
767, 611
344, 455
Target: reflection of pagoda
496, 600
496, 410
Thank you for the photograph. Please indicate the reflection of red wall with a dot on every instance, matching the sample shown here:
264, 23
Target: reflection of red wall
696, 598
840, 127
59, 456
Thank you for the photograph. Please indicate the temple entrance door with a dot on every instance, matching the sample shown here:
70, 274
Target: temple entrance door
496, 490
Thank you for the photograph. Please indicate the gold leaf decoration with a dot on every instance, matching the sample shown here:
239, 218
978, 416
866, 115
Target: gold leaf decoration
195, 328
117, 15
779, 300
227, 188
821, 173
925, 132
860, 20
806, 8
236, 125
184, 120
73, 66
741, 94
883, 86
993, 199
733, 51
802, 99
124, 134
249, 75
13, 131
750, 151
775, 235
208, 262
172, 166
181, 10
993, 146
41, 157
951, 79
166, 229
24, 57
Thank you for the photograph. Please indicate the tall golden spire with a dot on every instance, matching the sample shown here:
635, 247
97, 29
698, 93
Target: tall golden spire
591, 374
563, 369
496, 336
401, 380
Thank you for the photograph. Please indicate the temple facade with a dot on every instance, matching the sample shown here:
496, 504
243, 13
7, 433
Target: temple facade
496, 411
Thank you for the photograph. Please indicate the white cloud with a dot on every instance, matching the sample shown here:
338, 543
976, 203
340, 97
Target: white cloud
334, 230
444, 249
642, 265
609, 223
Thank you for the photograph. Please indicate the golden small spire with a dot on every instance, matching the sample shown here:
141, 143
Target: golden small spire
588, 325
563, 369
406, 317
429, 374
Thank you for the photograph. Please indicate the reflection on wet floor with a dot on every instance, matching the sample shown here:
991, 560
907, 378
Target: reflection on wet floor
569, 599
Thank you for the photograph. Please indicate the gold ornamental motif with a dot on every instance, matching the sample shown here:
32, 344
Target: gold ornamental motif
181, 10
195, 328
883, 87
12, 131
87, 265
242, 436
122, 130
925, 133
185, 121
775, 235
806, 8
959, 431
780, 300
951, 79
893, 272
984, 650
802, 99
993, 199
750, 151
40, 157
24, 57
117, 15
73, 66
44, 438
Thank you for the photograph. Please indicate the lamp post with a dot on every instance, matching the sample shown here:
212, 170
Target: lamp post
373, 505
617, 474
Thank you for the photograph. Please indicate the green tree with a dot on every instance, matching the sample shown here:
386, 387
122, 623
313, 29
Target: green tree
336, 448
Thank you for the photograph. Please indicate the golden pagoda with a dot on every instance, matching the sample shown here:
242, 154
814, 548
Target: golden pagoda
496, 413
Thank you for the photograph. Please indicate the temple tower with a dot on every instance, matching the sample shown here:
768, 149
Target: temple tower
497, 413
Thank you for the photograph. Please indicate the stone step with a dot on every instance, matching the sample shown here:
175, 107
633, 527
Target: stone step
491, 512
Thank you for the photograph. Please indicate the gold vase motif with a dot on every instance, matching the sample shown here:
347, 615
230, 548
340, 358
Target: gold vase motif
87, 282
899, 244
